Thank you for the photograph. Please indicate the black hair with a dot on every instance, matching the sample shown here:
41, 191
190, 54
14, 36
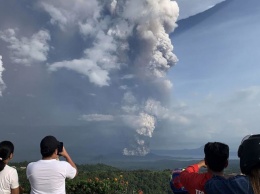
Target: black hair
216, 156
249, 154
47, 153
6, 149
48, 146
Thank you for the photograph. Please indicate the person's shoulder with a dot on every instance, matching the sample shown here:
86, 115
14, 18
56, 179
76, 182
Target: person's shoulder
10, 169
239, 178
65, 163
34, 163
227, 181
215, 180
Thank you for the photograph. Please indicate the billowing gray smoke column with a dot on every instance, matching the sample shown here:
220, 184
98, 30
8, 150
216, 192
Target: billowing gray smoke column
130, 38
123, 49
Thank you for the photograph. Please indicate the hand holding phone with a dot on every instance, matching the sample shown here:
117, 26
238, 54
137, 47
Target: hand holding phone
60, 148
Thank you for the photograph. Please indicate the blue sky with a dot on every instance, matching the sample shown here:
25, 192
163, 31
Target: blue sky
217, 47
130, 80
218, 53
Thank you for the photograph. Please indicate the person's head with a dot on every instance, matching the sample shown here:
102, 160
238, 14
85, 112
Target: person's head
216, 156
6, 153
249, 153
49, 146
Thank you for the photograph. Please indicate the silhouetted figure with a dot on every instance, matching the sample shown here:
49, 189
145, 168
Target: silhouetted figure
249, 183
216, 160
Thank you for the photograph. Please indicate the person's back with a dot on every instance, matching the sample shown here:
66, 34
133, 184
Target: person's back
47, 176
8, 180
216, 159
249, 154
8, 175
234, 185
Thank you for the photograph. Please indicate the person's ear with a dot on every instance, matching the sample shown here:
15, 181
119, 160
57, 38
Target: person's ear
11, 156
226, 165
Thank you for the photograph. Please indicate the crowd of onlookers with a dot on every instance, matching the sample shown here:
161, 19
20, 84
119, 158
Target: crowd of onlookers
213, 181
47, 175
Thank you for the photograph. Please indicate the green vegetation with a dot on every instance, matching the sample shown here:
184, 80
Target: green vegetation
103, 179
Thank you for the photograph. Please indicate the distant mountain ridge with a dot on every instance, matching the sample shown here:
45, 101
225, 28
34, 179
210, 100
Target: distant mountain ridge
155, 160
196, 153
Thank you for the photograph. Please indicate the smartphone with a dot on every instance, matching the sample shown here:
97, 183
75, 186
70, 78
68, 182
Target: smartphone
60, 147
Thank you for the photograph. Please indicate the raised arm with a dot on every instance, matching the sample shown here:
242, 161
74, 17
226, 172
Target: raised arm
65, 154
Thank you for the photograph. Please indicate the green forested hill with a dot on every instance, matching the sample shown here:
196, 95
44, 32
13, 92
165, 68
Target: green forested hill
104, 179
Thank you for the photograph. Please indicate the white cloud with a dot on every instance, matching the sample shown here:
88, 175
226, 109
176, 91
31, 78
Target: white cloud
57, 16
2, 84
123, 87
96, 63
87, 29
96, 117
86, 67
128, 76
66, 13
155, 108
25, 50
129, 98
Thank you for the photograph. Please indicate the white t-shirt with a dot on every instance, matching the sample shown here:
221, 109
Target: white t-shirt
48, 176
8, 180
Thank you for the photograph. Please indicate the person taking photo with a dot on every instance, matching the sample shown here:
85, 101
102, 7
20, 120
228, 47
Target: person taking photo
47, 176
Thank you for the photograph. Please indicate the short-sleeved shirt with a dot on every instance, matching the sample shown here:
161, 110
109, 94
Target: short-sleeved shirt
48, 176
8, 179
234, 185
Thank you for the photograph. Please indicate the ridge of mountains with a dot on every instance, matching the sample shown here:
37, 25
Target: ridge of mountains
155, 160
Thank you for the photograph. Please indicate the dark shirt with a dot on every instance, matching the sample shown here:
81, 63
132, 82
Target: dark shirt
234, 185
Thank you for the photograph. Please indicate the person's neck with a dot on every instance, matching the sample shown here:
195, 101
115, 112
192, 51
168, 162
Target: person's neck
6, 161
49, 157
216, 173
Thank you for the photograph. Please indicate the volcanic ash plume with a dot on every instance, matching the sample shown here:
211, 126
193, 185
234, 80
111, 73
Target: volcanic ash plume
144, 125
2, 84
127, 41
133, 33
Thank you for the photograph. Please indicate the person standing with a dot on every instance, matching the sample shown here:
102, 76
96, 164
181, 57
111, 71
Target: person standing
249, 181
47, 176
8, 175
216, 160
